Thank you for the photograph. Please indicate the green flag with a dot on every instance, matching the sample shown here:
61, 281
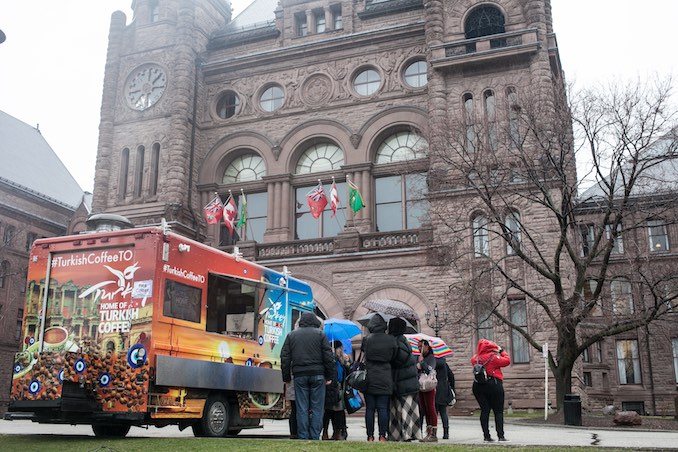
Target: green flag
355, 199
243, 212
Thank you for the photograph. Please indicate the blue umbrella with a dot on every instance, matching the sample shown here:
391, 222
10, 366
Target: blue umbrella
342, 330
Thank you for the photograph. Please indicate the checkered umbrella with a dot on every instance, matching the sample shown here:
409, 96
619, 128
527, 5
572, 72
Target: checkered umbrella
438, 346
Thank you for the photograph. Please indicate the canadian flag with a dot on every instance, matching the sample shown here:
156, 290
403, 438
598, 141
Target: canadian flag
334, 199
230, 213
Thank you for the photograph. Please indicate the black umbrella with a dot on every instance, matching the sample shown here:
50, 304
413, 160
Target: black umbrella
364, 320
392, 307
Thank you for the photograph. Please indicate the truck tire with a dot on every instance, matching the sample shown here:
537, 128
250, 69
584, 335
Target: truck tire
214, 421
110, 430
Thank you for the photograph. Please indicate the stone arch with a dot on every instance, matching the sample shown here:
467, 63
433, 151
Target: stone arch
404, 294
390, 121
325, 297
294, 144
214, 164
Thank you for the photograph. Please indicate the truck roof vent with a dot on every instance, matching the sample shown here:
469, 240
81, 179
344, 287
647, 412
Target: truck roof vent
106, 222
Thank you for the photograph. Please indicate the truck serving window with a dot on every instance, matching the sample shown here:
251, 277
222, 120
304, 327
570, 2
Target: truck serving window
181, 301
231, 306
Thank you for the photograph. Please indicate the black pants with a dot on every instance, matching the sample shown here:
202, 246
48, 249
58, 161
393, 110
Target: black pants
293, 420
490, 396
338, 419
442, 411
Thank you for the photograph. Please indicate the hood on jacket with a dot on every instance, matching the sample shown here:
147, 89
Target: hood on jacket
396, 326
308, 319
486, 346
377, 324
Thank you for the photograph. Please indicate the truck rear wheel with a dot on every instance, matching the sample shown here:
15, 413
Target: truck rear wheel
110, 430
214, 421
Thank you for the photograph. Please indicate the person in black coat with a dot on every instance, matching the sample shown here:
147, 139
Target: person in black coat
444, 393
306, 353
379, 349
404, 422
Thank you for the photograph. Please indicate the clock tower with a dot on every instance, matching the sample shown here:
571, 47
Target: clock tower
146, 156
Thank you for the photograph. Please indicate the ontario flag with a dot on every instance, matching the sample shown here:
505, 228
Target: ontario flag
214, 210
317, 200
230, 213
334, 199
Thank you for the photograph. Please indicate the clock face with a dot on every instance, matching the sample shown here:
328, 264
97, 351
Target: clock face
145, 86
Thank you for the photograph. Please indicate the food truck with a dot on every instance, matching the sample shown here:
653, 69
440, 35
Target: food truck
142, 327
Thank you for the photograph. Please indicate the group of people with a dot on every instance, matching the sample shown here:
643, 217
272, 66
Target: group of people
315, 371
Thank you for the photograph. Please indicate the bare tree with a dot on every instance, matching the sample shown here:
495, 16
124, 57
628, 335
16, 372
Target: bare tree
515, 226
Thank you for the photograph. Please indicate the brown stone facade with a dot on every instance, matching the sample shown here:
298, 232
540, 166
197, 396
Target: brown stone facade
320, 73
24, 217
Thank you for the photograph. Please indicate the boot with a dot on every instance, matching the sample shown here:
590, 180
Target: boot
325, 437
338, 436
430, 435
434, 435
446, 433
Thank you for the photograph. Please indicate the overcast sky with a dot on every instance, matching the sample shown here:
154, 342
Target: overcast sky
52, 63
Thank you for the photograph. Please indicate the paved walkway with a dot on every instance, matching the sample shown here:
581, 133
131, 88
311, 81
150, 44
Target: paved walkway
463, 430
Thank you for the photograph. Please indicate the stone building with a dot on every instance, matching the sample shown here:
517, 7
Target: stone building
292, 93
38, 198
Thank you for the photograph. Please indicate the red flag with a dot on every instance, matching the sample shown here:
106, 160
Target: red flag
214, 210
334, 199
230, 213
317, 200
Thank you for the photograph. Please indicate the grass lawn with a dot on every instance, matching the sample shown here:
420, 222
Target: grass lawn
46, 443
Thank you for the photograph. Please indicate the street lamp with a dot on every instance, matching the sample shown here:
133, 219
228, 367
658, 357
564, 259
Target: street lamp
437, 323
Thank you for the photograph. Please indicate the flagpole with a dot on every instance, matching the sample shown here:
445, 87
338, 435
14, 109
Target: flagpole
335, 214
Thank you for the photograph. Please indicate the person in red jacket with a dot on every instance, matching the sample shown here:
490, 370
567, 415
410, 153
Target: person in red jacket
490, 394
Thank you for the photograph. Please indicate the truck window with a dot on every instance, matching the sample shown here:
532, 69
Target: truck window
231, 307
182, 301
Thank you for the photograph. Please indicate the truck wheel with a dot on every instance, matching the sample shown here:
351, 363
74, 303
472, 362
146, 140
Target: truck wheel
110, 431
234, 431
214, 422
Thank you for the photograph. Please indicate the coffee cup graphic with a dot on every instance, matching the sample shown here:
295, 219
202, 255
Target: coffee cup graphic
55, 339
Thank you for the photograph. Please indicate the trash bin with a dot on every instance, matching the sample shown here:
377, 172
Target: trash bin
572, 409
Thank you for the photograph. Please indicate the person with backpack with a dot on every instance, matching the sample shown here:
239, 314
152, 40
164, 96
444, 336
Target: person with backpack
444, 394
488, 387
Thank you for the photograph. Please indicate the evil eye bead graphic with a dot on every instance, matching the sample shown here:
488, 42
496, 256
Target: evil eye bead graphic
61, 376
80, 366
17, 368
136, 356
104, 379
34, 387
261, 340
249, 362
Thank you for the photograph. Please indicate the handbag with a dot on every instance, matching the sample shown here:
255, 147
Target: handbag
352, 400
453, 398
427, 381
357, 376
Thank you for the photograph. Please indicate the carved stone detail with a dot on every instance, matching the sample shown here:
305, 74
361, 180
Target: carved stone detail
316, 90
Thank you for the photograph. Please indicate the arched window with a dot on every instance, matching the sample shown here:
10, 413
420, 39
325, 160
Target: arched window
513, 232
320, 157
155, 168
622, 298
513, 115
139, 171
124, 169
483, 21
481, 236
402, 146
400, 201
469, 119
490, 119
4, 273
247, 167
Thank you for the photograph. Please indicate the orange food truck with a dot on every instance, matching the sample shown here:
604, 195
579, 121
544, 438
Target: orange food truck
142, 326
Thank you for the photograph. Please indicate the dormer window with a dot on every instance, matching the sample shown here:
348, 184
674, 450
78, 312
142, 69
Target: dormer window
483, 21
